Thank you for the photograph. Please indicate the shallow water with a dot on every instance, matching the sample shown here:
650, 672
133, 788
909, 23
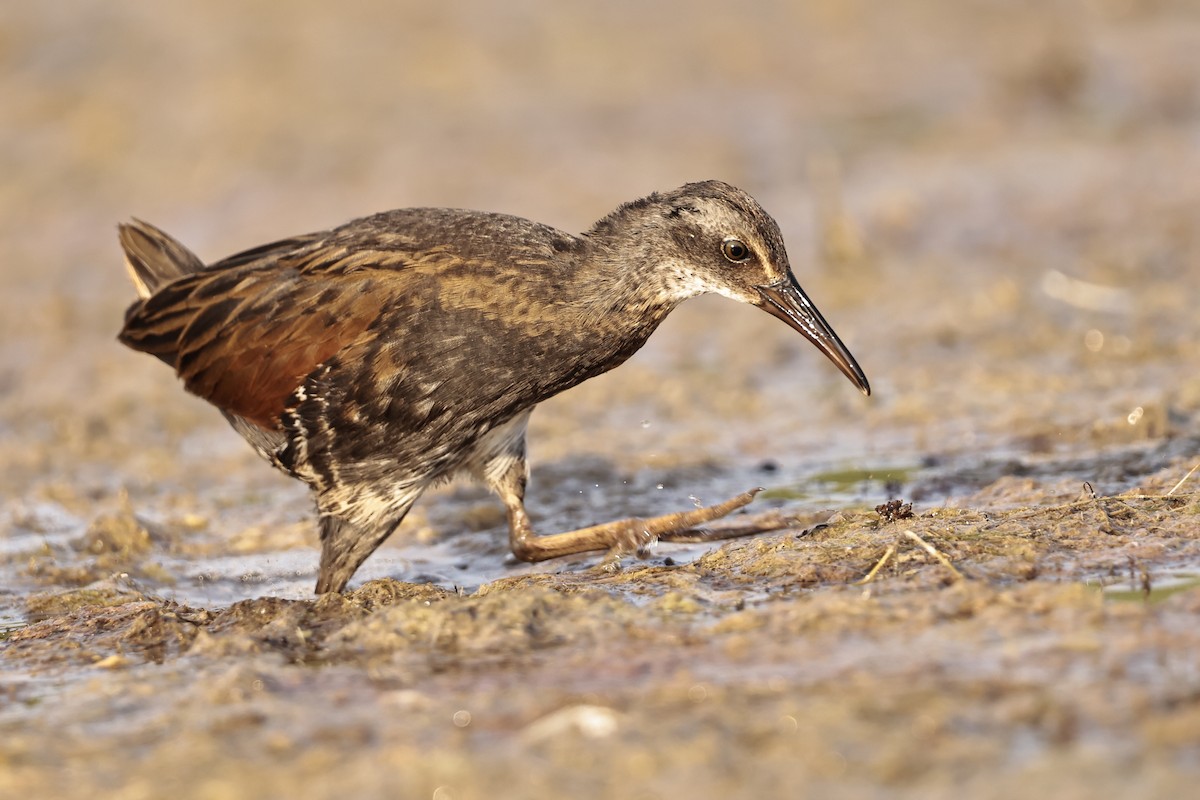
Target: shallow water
992, 205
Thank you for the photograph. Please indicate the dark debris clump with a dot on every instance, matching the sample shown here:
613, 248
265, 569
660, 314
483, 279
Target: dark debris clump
893, 510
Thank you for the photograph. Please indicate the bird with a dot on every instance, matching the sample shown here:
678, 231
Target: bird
396, 351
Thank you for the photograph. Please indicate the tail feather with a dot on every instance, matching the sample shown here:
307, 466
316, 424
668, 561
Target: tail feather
154, 258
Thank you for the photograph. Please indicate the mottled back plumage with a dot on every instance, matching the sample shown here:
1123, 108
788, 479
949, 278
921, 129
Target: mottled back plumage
376, 358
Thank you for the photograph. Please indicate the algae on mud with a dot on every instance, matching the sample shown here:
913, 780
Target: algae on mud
916, 680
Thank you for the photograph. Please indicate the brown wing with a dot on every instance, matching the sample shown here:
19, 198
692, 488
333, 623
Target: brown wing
244, 333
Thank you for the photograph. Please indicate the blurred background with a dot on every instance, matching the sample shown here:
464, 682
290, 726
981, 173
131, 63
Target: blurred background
994, 202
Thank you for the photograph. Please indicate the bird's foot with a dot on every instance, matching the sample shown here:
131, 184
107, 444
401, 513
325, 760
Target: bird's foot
629, 537
634, 536
637, 536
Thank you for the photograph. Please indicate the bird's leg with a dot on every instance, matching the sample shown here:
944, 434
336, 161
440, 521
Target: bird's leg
618, 538
344, 547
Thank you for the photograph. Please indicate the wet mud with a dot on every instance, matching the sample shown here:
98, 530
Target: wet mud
984, 580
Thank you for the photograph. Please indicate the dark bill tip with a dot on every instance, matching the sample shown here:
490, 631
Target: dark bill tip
787, 301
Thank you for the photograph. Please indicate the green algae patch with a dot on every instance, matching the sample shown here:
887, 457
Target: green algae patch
844, 481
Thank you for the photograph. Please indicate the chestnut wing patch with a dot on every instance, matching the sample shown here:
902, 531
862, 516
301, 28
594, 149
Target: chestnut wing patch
244, 339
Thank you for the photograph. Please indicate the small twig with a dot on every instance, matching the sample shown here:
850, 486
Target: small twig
870, 576
1183, 480
933, 551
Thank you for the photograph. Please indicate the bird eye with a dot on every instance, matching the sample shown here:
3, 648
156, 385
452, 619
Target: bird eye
735, 250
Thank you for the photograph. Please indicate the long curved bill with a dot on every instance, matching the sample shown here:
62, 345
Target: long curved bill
787, 301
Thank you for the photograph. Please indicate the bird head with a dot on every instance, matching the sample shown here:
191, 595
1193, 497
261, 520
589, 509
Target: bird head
711, 237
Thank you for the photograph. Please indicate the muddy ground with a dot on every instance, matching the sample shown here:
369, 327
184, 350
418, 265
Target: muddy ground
994, 203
